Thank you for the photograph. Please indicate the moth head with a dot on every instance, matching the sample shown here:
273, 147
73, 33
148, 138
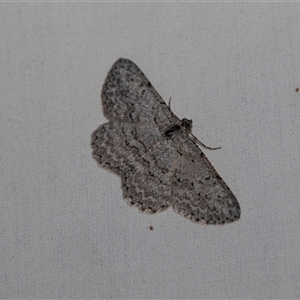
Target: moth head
187, 124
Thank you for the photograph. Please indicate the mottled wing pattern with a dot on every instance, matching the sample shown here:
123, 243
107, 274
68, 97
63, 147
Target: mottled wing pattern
117, 145
147, 183
128, 96
199, 193
137, 153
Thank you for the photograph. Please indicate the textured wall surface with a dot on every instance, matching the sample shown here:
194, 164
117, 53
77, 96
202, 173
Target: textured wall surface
65, 229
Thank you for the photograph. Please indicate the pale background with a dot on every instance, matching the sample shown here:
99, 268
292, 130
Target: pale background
66, 232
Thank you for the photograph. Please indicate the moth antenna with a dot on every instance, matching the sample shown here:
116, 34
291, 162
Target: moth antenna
169, 103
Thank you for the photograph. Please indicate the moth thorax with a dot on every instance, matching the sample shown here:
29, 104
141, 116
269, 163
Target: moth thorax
173, 130
185, 125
